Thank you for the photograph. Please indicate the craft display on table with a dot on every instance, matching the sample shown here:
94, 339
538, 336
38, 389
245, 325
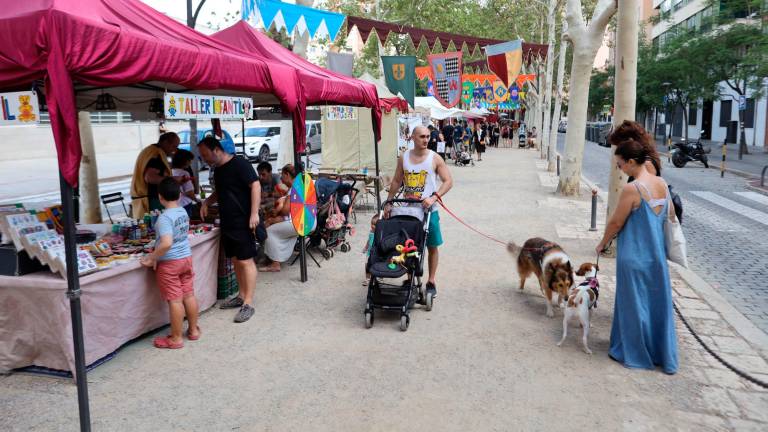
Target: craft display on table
303, 204
35, 234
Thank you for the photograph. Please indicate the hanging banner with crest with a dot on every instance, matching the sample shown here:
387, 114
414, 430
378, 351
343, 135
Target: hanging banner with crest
446, 70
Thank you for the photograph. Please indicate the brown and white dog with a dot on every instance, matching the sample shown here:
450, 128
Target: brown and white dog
581, 300
551, 265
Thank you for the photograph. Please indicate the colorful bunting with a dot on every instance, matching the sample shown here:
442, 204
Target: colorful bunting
289, 15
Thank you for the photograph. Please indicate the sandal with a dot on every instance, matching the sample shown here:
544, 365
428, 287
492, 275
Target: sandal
194, 338
165, 342
269, 270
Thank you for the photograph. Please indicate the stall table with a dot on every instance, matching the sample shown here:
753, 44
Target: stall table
119, 304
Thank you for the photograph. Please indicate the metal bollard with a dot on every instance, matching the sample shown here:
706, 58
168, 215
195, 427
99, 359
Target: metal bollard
548, 148
593, 223
722, 164
558, 165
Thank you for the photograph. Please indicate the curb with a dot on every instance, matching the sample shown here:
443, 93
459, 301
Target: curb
739, 322
757, 189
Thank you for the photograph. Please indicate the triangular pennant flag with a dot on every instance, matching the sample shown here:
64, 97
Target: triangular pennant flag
313, 22
333, 23
291, 17
268, 12
505, 60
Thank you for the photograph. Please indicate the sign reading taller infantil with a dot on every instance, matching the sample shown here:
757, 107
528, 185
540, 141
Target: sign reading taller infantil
19, 108
202, 107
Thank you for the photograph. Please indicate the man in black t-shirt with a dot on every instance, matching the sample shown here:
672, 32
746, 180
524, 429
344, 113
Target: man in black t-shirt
448, 135
238, 193
433, 137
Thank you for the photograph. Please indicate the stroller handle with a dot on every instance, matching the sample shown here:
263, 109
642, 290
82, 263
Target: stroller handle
401, 201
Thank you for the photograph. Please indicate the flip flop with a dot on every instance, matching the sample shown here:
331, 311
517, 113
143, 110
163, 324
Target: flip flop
194, 338
269, 270
165, 342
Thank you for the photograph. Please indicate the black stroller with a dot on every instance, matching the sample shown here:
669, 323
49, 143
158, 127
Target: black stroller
343, 194
390, 233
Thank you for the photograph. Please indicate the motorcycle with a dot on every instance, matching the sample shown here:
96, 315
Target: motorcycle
684, 152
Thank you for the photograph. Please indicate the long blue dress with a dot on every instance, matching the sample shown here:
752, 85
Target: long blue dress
643, 330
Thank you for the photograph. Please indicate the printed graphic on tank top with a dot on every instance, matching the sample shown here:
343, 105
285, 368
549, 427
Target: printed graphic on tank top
419, 182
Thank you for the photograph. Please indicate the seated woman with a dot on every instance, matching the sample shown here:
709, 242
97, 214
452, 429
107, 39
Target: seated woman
281, 235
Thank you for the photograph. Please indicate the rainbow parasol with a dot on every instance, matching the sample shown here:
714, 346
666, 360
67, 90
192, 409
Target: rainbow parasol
303, 204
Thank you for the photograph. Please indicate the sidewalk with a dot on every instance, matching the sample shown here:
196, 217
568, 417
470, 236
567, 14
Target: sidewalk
484, 359
750, 165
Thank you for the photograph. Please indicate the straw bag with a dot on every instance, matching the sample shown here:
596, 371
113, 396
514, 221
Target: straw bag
674, 240
335, 218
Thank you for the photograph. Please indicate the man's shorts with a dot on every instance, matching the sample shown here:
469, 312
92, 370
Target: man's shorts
175, 278
435, 237
238, 243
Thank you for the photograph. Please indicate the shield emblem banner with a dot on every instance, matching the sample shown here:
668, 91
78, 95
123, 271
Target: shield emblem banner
446, 70
505, 60
467, 91
500, 91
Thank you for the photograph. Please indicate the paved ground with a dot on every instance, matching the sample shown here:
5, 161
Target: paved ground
483, 360
725, 225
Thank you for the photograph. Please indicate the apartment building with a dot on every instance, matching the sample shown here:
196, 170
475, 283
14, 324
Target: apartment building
711, 120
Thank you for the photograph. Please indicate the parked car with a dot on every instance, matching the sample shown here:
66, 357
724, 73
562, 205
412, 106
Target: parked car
226, 142
262, 140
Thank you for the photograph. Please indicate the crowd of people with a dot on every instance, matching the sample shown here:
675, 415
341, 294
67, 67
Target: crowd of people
254, 208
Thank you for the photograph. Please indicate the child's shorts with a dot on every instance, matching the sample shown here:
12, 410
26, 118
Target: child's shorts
175, 278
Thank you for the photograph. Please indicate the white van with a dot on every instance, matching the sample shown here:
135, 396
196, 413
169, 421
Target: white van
262, 140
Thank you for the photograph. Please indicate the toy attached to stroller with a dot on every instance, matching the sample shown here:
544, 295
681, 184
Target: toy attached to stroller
398, 250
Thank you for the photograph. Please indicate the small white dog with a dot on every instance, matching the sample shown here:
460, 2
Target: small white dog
581, 300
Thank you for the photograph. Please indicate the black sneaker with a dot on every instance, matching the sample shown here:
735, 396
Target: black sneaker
431, 288
245, 313
234, 302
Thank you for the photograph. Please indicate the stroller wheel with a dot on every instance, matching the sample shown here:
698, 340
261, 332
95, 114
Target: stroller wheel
345, 247
368, 319
405, 321
331, 250
428, 301
326, 253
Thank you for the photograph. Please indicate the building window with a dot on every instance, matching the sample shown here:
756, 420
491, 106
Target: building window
749, 114
725, 112
693, 110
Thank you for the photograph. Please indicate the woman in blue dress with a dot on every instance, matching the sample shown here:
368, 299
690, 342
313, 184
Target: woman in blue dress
643, 330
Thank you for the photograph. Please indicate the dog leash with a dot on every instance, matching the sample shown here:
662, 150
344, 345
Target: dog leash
458, 219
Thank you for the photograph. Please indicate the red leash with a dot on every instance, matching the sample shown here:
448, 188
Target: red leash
458, 219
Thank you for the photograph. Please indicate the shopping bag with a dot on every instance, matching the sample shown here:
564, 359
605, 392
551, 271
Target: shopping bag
674, 240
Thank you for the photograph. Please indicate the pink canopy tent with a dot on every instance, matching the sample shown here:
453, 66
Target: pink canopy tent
82, 48
319, 85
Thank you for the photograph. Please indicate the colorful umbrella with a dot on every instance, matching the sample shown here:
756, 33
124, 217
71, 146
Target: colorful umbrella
303, 204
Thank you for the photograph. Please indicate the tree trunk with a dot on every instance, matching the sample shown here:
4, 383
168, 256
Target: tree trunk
89, 174
547, 91
625, 91
551, 166
586, 40
570, 174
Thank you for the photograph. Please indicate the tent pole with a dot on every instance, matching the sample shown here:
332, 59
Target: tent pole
376, 185
302, 243
242, 134
73, 292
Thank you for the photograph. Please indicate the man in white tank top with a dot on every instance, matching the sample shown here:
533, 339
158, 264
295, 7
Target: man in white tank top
417, 172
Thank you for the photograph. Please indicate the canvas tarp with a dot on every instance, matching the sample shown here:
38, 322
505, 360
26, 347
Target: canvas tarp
82, 48
348, 144
430, 106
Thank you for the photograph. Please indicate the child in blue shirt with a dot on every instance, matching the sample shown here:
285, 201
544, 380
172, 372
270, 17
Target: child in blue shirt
172, 260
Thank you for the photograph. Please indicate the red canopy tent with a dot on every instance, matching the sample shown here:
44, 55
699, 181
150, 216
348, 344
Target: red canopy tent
82, 48
319, 85
75, 50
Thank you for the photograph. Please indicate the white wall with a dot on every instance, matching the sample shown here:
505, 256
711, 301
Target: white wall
719, 133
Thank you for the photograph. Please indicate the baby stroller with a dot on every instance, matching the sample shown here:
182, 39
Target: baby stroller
522, 140
390, 238
462, 156
334, 201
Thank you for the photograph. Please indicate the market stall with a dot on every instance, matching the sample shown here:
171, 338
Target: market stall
113, 55
119, 304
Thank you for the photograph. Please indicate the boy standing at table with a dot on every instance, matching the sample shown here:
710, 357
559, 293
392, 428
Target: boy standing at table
172, 261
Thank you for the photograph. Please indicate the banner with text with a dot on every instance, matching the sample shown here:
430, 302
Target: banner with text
201, 107
19, 108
